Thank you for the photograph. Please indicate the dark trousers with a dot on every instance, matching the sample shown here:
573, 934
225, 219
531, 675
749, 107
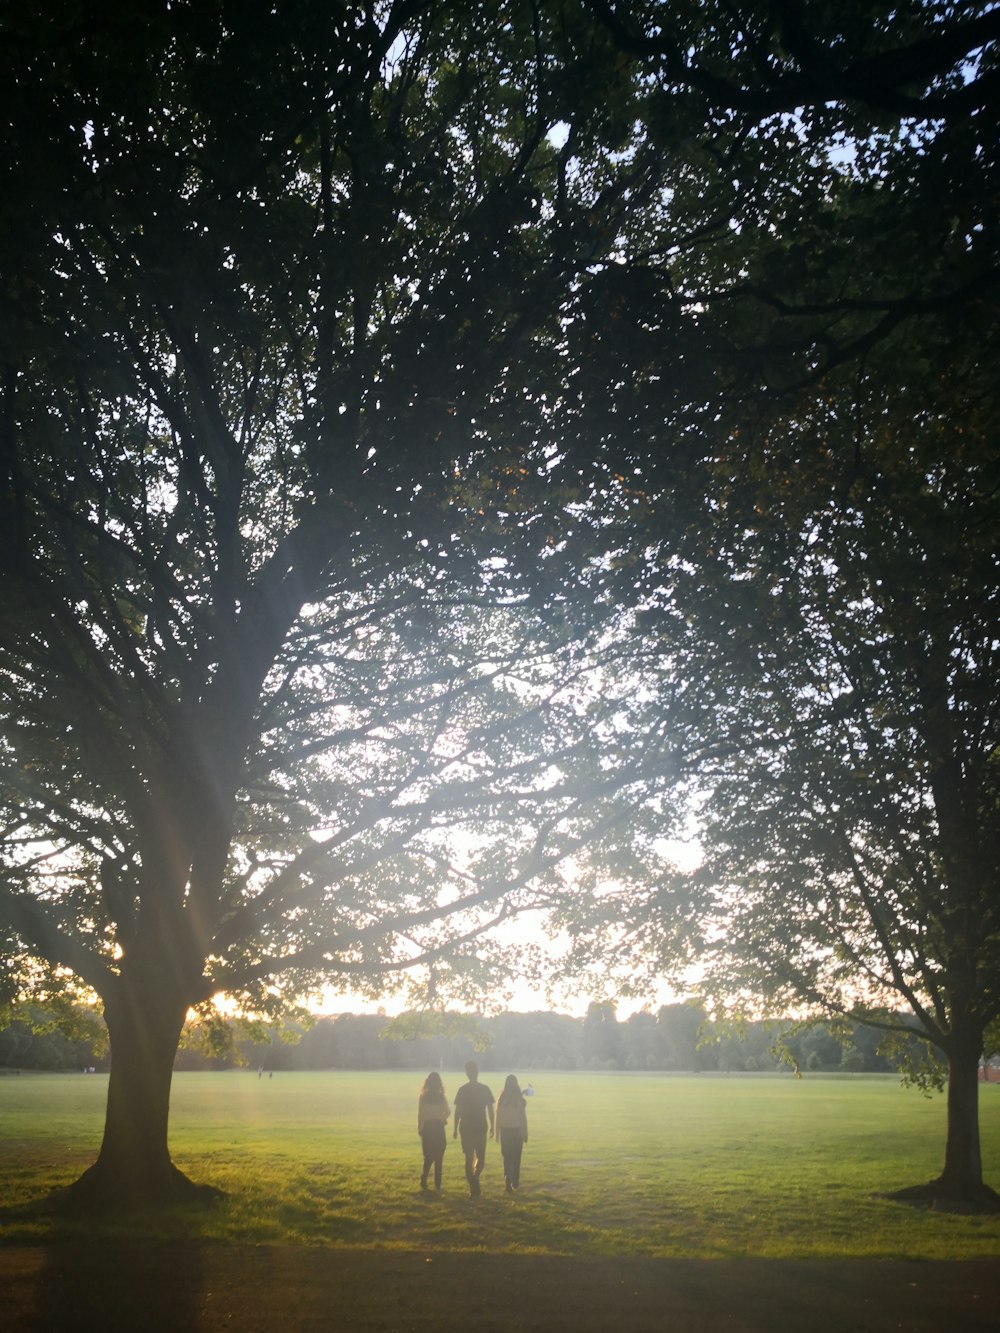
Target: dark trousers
511, 1147
474, 1147
434, 1141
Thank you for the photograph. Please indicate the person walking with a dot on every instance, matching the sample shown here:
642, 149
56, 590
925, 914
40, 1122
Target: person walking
512, 1131
432, 1116
473, 1108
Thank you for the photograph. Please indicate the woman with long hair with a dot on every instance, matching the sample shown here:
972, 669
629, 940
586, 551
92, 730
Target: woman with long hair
512, 1129
432, 1116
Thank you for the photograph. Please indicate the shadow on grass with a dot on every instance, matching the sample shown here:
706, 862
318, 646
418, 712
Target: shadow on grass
28, 1223
936, 1197
61, 1218
132, 1286
130, 1270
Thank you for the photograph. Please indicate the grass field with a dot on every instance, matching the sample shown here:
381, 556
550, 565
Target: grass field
617, 1164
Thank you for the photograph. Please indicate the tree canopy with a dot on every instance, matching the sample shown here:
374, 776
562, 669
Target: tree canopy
814, 592
276, 351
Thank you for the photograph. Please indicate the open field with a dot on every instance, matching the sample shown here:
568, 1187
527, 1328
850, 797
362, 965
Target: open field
618, 1165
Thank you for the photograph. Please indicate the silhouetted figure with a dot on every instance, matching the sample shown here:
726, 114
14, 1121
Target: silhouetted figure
432, 1116
473, 1108
512, 1131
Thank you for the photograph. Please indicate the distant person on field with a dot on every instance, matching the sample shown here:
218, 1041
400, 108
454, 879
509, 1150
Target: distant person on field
432, 1116
473, 1108
512, 1131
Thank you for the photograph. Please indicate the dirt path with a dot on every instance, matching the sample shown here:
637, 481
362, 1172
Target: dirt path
261, 1289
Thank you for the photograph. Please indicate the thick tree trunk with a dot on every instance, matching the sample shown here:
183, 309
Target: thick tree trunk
962, 1176
960, 1187
133, 1168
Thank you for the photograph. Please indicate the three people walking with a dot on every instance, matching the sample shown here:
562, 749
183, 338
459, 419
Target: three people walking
474, 1122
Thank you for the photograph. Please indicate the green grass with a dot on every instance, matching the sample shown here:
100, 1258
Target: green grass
617, 1164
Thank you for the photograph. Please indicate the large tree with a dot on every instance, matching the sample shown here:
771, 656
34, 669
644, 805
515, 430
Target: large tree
852, 834
280, 302
818, 654
807, 416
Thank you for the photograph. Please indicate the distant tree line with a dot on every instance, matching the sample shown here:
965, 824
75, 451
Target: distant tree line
679, 1037
34, 1036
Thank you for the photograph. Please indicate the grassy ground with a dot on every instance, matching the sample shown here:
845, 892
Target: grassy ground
617, 1165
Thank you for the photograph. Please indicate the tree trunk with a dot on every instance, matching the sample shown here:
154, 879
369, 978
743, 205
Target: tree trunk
962, 1177
960, 1187
133, 1169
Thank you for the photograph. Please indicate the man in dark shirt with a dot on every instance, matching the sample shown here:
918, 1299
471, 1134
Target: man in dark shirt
473, 1107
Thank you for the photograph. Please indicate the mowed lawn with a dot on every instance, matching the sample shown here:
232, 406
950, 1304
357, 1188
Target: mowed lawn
644, 1164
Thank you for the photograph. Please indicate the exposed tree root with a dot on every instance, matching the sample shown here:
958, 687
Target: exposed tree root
940, 1196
